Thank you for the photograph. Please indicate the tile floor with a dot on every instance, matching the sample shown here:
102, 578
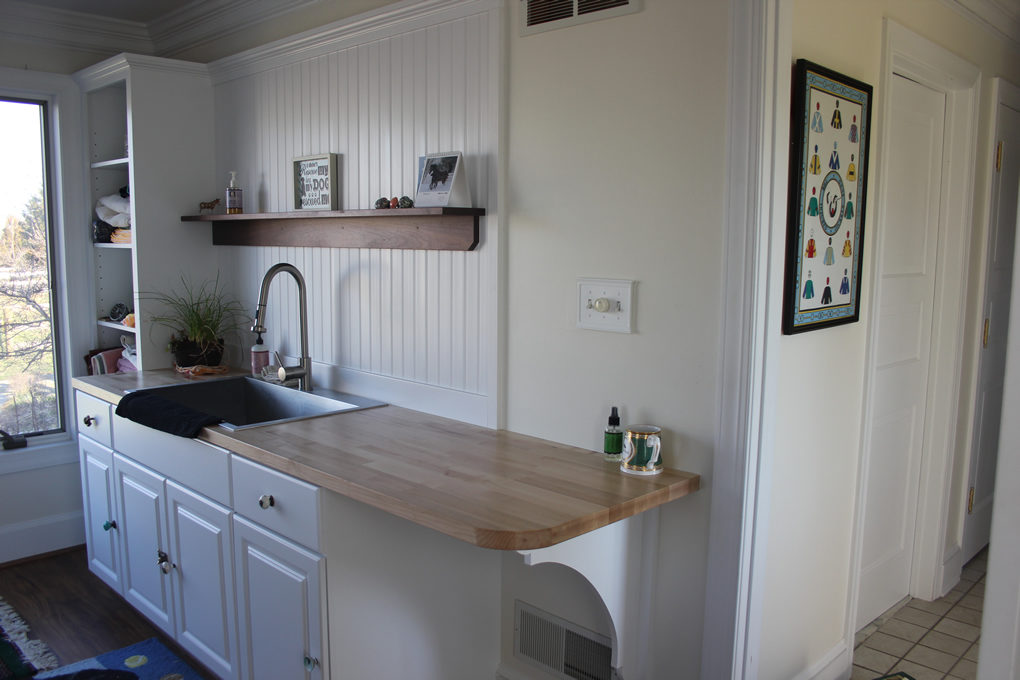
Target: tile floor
927, 640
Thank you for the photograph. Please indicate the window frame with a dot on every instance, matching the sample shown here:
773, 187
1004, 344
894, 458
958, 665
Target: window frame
54, 281
69, 253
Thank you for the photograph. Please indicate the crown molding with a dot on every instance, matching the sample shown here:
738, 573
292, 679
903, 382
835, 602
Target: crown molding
117, 68
203, 21
26, 22
372, 25
1001, 17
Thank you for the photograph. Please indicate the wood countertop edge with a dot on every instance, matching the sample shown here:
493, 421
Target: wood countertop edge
484, 537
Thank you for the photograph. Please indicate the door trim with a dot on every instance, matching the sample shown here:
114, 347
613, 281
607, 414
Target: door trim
1003, 93
760, 55
907, 54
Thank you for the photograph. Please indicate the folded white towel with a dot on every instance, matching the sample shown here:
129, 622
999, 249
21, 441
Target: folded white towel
114, 210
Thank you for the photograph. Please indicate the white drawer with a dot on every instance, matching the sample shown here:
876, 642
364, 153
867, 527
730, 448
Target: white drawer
93, 417
294, 509
196, 464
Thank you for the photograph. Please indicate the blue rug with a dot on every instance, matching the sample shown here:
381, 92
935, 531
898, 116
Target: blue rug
147, 660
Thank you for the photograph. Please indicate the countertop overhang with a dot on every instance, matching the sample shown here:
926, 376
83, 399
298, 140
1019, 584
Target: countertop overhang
492, 488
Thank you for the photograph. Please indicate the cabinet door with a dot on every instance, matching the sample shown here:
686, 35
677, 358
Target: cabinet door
102, 537
200, 542
279, 606
143, 534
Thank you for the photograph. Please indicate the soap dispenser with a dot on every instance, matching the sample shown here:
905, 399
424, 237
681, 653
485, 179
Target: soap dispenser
234, 197
259, 357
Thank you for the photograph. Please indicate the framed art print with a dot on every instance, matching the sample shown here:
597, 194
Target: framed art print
829, 133
315, 182
442, 181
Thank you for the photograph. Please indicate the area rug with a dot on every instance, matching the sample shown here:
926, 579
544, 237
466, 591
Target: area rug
20, 657
146, 660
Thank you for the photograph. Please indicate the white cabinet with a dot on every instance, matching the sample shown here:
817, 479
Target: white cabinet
145, 545
102, 537
202, 578
149, 127
245, 601
279, 589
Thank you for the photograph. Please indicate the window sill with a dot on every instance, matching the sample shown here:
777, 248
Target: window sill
41, 452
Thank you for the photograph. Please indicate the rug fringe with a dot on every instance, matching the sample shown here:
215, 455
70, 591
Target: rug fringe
35, 651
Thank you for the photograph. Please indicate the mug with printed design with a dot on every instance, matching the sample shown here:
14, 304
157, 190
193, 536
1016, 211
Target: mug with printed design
642, 450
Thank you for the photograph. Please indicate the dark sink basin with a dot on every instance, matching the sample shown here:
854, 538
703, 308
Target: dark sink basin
245, 402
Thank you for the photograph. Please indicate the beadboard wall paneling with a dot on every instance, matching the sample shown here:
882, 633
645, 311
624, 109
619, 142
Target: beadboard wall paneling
424, 319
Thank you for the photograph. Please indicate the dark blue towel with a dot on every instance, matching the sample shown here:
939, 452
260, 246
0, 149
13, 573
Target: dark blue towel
149, 409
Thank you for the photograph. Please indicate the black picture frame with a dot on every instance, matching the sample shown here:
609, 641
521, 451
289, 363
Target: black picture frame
829, 153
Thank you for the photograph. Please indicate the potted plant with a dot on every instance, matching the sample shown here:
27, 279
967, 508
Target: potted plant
199, 319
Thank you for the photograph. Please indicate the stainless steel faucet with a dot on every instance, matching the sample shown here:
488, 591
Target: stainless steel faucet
302, 372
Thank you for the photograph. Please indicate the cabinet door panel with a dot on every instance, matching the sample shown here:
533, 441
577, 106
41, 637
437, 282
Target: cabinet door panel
201, 547
101, 532
143, 537
280, 607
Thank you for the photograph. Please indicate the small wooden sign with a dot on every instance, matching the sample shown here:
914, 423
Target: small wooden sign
315, 182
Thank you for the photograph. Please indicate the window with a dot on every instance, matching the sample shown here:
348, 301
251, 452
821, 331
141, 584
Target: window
30, 399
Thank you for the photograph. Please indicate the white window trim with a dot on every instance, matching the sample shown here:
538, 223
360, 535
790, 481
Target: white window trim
71, 248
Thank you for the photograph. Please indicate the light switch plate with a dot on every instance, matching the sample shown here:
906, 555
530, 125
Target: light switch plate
619, 317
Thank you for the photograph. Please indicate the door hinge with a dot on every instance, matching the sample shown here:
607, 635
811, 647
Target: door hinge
998, 158
970, 501
984, 336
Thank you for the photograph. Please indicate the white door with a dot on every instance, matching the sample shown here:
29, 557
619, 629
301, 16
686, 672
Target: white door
988, 403
101, 537
203, 576
140, 495
907, 242
279, 606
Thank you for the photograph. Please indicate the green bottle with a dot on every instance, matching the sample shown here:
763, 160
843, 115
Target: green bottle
613, 439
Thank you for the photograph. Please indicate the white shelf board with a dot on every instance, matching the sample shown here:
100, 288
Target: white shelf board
112, 163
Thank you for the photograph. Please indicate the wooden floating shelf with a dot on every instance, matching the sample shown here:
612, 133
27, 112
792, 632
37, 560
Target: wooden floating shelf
397, 228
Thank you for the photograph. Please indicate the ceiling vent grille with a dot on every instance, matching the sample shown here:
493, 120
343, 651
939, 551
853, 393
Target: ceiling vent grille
545, 15
562, 648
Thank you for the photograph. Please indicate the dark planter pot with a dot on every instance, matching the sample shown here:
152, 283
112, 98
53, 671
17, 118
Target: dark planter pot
189, 353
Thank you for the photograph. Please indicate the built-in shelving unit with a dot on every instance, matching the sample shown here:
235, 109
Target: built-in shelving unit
407, 228
149, 128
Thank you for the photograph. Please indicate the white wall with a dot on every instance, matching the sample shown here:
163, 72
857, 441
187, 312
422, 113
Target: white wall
415, 328
815, 469
616, 154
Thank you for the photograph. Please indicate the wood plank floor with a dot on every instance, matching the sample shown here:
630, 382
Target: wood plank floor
74, 612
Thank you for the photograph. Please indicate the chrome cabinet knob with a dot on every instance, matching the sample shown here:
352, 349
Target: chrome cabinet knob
266, 501
163, 562
109, 524
310, 663
89, 421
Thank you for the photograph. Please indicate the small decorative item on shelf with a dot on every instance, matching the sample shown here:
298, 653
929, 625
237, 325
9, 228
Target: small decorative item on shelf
405, 202
382, 203
199, 318
315, 182
119, 312
208, 205
394, 202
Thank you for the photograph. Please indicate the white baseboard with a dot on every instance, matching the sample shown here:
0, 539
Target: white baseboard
43, 535
837, 664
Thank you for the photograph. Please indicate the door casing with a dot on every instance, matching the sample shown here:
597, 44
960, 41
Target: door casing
907, 54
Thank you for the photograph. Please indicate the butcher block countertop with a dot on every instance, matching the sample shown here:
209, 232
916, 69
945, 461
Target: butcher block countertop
492, 488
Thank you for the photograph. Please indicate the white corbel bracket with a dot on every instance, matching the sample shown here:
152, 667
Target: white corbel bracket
619, 560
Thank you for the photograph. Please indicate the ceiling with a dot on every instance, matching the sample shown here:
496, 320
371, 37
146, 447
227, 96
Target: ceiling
126, 10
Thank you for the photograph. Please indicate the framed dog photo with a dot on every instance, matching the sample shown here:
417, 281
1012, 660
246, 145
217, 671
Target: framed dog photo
829, 133
442, 181
315, 182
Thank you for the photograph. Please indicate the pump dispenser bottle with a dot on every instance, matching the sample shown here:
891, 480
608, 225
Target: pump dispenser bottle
234, 196
613, 439
259, 357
